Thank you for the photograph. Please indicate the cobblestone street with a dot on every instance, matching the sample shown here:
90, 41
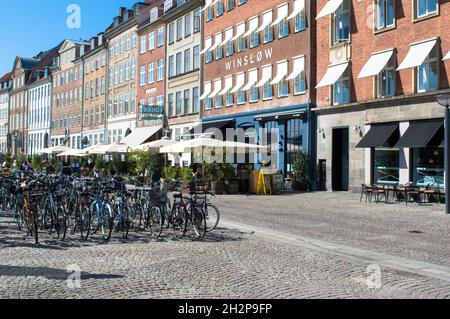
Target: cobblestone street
317, 245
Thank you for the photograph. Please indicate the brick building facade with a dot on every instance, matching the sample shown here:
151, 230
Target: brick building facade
380, 66
258, 64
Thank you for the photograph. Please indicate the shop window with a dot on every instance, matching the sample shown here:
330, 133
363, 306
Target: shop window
384, 14
341, 23
386, 166
428, 166
427, 74
294, 142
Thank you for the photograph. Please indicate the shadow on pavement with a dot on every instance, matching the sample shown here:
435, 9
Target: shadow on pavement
49, 273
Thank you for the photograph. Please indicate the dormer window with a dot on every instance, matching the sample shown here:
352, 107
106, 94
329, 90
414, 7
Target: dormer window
167, 5
153, 15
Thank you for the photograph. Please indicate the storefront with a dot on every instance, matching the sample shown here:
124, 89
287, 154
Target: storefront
286, 130
406, 152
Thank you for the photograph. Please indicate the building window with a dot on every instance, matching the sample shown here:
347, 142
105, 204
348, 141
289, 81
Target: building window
151, 41
426, 7
179, 63
300, 21
283, 28
133, 69
231, 4
171, 66
172, 33
283, 88
187, 25
160, 71
386, 167
179, 29
103, 85
209, 13
142, 75
385, 82
229, 48
267, 91
197, 20
254, 94
220, 8
254, 39
341, 23
143, 44
178, 102
427, 74
341, 90
242, 44
187, 101
384, 14
208, 103
209, 56
196, 57
151, 73
195, 99
268, 34
294, 142
299, 84
187, 60
219, 52
428, 166
241, 97
160, 40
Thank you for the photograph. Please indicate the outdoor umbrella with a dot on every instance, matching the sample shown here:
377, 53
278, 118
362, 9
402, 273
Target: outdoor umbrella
99, 149
116, 148
155, 145
73, 152
55, 150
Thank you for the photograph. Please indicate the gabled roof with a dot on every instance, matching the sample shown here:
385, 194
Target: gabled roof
45, 62
5, 77
28, 63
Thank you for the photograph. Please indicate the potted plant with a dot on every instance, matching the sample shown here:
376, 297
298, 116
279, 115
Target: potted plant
211, 171
228, 177
301, 165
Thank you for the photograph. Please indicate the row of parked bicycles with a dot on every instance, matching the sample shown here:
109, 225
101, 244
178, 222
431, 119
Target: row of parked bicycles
66, 206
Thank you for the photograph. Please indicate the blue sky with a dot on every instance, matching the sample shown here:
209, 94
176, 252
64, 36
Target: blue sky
30, 26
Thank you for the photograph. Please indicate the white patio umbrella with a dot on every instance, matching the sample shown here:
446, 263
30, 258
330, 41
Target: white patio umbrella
99, 149
73, 152
155, 145
207, 142
116, 148
55, 150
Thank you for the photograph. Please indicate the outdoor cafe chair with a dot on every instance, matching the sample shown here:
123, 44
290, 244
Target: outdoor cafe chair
366, 191
413, 193
380, 192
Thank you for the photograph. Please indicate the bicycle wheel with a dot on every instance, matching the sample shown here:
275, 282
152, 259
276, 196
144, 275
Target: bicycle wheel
155, 222
198, 221
212, 216
179, 220
107, 223
84, 222
125, 221
18, 215
60, 223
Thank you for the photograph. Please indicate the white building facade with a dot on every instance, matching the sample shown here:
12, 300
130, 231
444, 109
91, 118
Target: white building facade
5, 85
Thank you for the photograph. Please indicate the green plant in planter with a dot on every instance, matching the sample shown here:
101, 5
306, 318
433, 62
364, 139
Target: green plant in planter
171, 172
186, 175
36, 161
301, 165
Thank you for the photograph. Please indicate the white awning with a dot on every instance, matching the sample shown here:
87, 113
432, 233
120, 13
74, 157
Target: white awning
299, 67
140, 135
447, 56
299, 6
376, 63
240, 80
333, 74
252, 79
228, 85
282, 71
228, 36
253, 25
217, 88
209, 3
418, 52
329, 8
267, 20
266, 76
208, 43
240, 30
281, 14
207, 90
217, 41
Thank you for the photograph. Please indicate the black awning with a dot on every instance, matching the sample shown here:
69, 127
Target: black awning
281, 115
203, 127
422, 134
385, 135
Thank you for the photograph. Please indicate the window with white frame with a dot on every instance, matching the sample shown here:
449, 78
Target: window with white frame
151, 41
167, 5
229, 97
187, 60
142, 73
220, 7
179, 29
427, 74
268, 30
341, 23
385, 80
160, 70
195, 99
341, 89
300, 18
187, 25
151, 73
197, 20
187, 101
196, 57
153, 15
171, 33
179, 63
384, 14
254, 36
241, 41
160, 39
283, 25
229, 47
143, 44
219, 48
218, 100
425, 8
133, 39
209, 13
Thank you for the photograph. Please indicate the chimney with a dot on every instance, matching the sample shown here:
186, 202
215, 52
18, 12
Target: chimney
122, 11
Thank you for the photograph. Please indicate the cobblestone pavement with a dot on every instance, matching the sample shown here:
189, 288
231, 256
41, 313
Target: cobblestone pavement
236, 262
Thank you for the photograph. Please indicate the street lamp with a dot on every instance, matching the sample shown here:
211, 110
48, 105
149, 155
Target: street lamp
444, 100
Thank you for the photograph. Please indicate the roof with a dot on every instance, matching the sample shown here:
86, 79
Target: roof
45, 62
28, 63
5, 77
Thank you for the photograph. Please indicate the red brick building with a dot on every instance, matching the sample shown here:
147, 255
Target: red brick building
258, 66
151, 54
379, 68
